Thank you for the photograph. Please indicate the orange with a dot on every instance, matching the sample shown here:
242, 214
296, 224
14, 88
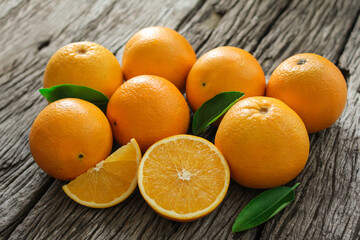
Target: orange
224, 69
183, 177
158, 51
147, 108
264, 141
68, 137
84, 63
312, 86
110, 182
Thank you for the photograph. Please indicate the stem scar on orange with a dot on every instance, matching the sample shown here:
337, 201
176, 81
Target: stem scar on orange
68, 137
86, 64
264, 141
312, 86
224, 69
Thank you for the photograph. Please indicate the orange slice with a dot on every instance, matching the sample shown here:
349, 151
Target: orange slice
110, 182
183, 177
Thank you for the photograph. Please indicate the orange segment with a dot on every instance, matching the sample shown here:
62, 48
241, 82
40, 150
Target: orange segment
183, 177
110, 182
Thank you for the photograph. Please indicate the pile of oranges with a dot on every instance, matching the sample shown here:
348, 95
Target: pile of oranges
261, 142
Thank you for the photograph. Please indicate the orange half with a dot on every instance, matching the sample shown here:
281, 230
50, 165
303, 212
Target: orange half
110, 182
183, 177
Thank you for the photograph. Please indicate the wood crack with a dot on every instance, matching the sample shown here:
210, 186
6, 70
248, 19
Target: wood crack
273, 30
190, 15
43, 44
13, 11
6, 232
344, 43
269, 27
356, 230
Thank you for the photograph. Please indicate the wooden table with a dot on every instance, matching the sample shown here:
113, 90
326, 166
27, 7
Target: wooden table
33, 205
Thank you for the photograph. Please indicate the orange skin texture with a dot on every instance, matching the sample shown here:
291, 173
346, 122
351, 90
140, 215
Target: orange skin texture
86, 64
159, 51
224, 69
264, 142
316, 90
65, 129
147, 108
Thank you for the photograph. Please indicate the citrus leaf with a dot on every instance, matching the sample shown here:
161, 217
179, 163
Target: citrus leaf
263, 207
212, 109
75, 91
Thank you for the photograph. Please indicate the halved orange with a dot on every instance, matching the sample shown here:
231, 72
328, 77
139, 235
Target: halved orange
183, 177
110, 182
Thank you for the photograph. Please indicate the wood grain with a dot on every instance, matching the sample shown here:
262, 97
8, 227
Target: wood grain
33, 206
328, 202
40, 30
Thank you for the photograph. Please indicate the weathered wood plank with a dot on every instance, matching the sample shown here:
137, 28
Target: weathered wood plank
201, 21
328, 202
236, 23
321, 27
349, 62
32, 32
269, 28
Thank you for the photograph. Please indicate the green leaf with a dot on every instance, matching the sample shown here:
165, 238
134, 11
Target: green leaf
263, 207
75, 91
212, 109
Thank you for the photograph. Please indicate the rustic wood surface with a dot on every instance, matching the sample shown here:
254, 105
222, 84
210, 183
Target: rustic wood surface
32, 204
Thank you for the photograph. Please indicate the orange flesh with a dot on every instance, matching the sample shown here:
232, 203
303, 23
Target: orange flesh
109, 179
184, 176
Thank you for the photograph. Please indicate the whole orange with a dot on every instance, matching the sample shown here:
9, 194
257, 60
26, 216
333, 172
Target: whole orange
84, 63
158, 51
68, 137
147, 108
264, 141
312, 86
224, 69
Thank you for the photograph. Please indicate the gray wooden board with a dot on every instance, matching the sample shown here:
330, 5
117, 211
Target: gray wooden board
32, 205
